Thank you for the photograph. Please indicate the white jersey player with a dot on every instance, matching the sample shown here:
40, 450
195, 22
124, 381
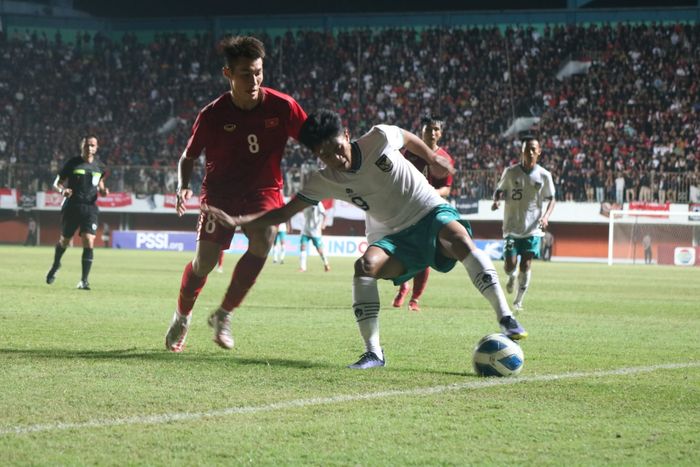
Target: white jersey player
524, 187
314, 220
314, 223
409, 226
278, 249
391, 191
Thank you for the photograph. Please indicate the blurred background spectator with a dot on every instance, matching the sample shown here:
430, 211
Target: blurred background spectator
633, 114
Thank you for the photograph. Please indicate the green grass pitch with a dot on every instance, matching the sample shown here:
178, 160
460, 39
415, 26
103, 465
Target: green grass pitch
85, 379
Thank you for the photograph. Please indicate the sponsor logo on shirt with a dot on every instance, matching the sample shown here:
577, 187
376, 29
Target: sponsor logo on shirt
384, 163
229, 127
272, 122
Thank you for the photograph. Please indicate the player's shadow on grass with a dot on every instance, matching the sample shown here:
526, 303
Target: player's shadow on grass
112, 354
281, 362
435, 371
159, 355
226, 358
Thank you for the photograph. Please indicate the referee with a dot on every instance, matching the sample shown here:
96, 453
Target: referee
79, 181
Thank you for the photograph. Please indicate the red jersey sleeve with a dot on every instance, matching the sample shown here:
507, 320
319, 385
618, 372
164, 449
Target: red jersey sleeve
442, 182
297, 117
198, 138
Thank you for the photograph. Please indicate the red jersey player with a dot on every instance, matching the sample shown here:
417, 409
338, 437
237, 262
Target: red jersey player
431, 133
243, 134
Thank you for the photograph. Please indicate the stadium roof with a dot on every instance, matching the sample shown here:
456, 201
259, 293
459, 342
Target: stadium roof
170, 8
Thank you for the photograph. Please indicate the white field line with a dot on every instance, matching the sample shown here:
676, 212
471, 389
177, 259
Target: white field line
300, 403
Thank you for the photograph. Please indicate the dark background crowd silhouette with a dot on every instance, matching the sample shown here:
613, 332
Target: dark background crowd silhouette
627, 130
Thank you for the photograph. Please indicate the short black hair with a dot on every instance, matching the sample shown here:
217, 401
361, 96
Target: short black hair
432, 119
320, 126
88, 136
235, 47
526, 139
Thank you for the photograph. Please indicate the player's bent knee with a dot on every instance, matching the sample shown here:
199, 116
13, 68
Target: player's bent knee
366, 267
202, 266
456, 246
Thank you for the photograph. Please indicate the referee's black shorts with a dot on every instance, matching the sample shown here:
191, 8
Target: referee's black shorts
79, 215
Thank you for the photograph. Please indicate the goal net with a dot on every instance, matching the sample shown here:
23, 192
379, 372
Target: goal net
654, 237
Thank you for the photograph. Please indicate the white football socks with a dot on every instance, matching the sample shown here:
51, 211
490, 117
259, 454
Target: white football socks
302, 260
365, 304
523, 283
483, 274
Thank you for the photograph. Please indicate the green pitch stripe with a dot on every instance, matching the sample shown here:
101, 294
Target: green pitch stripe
292, 404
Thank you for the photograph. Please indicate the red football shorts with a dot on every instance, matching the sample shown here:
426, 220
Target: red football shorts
210, 230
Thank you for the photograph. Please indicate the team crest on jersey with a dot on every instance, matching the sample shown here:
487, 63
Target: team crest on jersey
229, 127
538, 185
384, 163
272, 122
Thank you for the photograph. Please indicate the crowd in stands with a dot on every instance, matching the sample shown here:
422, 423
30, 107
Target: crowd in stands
628, 129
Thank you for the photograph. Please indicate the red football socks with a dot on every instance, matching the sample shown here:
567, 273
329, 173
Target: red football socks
420, 281
244, 276
190, 286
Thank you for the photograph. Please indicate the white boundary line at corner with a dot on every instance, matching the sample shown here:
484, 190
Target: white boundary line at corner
300, 403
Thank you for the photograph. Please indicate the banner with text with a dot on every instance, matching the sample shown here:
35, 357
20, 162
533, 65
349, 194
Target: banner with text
154, 240
170, 201
9, 198
646, 206
333, 245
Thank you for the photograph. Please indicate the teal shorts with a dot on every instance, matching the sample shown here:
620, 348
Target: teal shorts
417, 246
280, 236
519, 246
317, 241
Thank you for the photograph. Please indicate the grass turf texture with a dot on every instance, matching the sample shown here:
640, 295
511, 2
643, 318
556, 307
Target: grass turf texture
72, 356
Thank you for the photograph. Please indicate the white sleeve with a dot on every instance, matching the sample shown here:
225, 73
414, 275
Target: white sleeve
393, 134
548, 189
314, 189
503, 182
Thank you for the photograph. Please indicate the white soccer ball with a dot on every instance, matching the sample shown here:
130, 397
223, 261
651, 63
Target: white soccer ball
497, 355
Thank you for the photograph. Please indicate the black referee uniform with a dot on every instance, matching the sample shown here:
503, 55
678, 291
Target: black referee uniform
79, 211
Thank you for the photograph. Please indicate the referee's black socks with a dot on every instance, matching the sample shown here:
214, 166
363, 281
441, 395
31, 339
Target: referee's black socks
58, 254
87, 263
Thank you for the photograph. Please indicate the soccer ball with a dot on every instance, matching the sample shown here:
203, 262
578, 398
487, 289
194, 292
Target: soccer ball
497, 355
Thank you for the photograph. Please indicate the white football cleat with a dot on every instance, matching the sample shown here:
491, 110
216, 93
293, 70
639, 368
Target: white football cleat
177, 333
220, 321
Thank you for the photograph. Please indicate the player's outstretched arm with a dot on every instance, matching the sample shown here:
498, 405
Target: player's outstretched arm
185, 167
416, 145
258, 219
103, 190
544, 220
497, 195
59, 185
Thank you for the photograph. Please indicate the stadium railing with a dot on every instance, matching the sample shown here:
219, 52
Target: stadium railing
147, 180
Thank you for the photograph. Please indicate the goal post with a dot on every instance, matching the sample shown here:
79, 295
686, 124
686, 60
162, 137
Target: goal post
654, 237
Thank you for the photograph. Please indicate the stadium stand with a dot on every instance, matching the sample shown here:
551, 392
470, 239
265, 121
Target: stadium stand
633, 113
